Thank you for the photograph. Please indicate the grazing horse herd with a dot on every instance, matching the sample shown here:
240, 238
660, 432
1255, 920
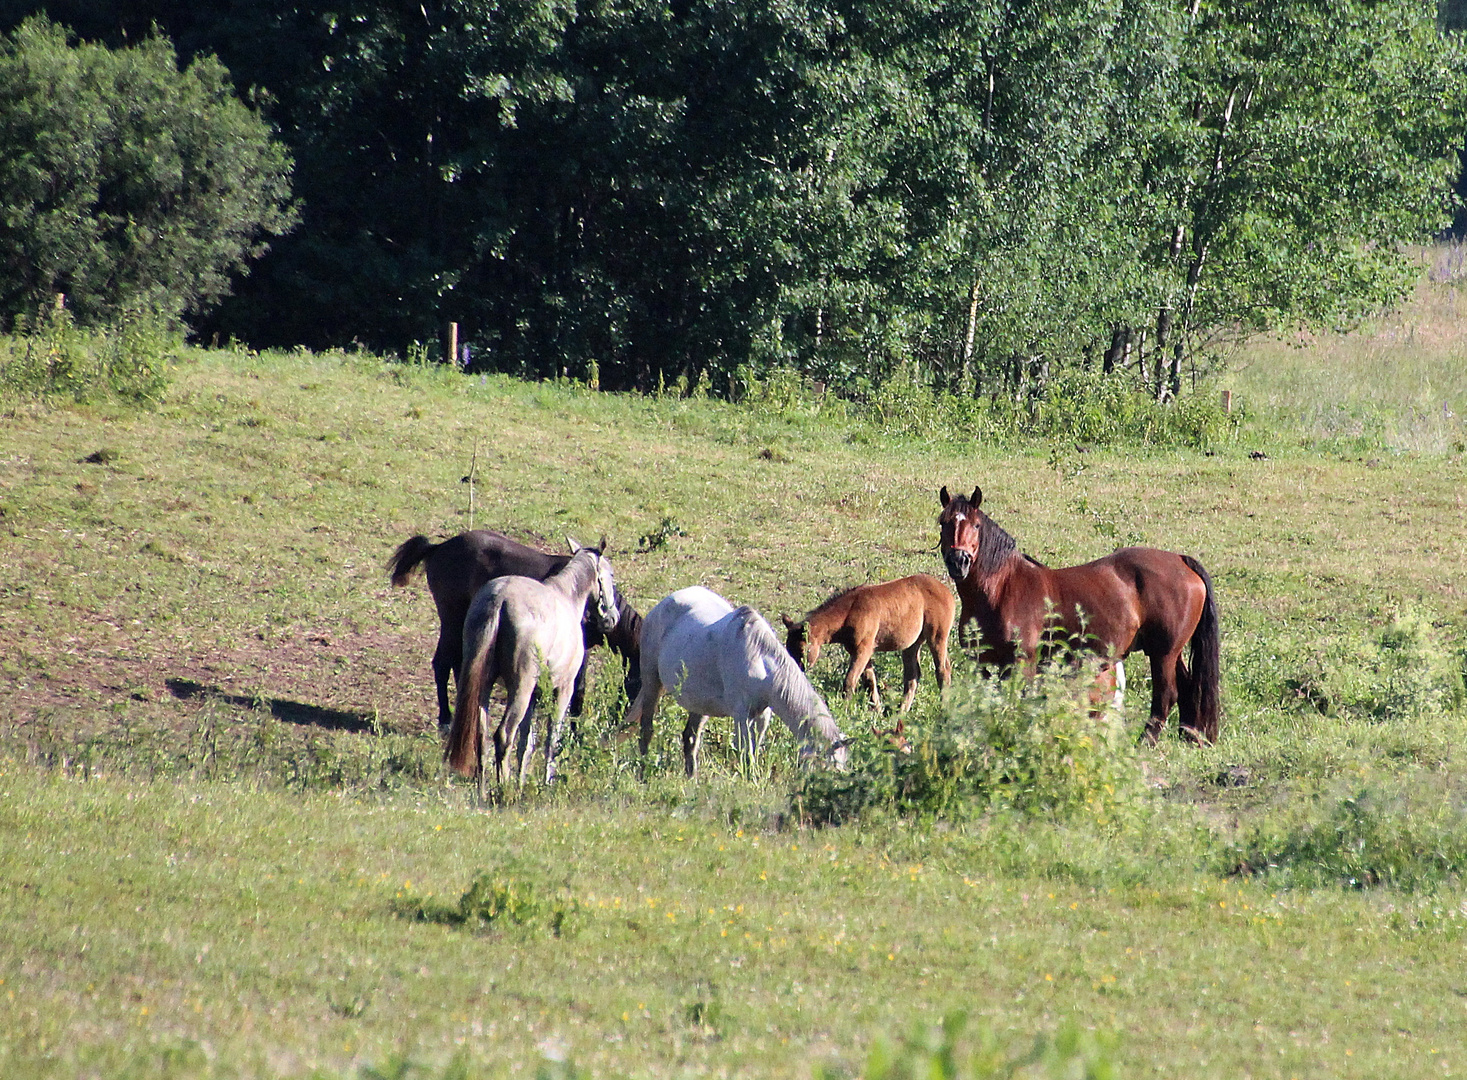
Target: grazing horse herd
511, 613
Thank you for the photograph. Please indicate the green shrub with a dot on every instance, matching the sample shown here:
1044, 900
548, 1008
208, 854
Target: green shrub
1031, 747
953, 1050
1075, 405
1407, 834
50, 356
1404, 673
493, 901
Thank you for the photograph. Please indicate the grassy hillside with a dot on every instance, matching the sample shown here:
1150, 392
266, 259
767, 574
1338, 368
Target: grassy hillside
227, 846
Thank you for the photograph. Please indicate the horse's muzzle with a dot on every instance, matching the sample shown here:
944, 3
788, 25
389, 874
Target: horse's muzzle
958, 562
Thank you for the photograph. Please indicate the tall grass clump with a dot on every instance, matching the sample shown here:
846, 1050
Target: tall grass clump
1404, 672
1407, 832
956, 1050
1077, 405
51, 356
1001, 742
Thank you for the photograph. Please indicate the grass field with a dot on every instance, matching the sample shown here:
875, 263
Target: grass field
227, 846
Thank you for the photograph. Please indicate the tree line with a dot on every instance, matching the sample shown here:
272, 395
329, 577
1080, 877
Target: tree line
974, 194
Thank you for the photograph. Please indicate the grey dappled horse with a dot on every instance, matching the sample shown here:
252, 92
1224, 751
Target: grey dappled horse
516, 627
457, 568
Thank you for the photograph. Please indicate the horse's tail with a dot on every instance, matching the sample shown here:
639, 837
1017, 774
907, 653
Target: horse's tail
462, 750
1202, 698
406, 558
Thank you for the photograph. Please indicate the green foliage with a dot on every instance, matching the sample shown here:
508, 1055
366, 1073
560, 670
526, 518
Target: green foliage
492, 902
1403, 674
1408, 834
956, 1050
1075, 405
498, 902
666, 529
125, 183
1006, 743
129, 359
993, 194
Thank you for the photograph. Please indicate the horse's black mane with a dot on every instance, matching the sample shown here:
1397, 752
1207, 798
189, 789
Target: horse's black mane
626, 637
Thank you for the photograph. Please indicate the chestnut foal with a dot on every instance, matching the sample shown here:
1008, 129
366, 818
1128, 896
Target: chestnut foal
894, 616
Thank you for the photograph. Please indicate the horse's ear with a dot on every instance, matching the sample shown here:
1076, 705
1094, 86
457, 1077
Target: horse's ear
573, 544
789, 624
943, 496
602, 546
977, 498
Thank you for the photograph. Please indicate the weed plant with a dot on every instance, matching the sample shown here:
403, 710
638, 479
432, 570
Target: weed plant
1076, 406
958, 1050
51, 357
1001, 742
1407, 832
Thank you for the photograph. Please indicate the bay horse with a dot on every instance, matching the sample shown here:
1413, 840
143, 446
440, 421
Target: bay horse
718, 660
517, 626
460, 566
1135, 598
893, 616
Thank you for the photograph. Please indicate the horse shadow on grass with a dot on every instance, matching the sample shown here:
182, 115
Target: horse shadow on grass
291, 712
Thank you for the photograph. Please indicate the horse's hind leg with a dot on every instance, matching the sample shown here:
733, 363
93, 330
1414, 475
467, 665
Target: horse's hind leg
1163, 692
692, 741
911, 673
937, 645
517, 712
1187, 725
525, 734
563, 700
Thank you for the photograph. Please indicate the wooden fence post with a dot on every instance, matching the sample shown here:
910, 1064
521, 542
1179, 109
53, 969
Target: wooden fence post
453, 343
1227, 401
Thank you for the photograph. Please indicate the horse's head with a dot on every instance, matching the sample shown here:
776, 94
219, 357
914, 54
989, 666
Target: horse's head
607, 614
959, 529
797, 642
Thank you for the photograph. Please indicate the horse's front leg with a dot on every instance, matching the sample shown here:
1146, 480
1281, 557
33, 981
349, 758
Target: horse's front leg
445, 662
862, 670
750, 727
869, 678
578, 691
641, 710
692, 740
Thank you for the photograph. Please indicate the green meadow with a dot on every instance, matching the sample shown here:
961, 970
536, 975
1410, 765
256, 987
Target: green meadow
228, 847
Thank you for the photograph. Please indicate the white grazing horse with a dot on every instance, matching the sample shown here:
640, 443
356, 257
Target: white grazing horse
718, 660
515, 627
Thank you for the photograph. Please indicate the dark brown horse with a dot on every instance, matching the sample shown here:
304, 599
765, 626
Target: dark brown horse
1135, 598
894, 616
458, 567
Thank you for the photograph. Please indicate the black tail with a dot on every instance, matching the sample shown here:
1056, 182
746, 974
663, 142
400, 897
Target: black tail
1203, 697
406, 558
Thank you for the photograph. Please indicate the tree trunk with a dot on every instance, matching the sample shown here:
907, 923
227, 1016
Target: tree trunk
1118, 343
965, 373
